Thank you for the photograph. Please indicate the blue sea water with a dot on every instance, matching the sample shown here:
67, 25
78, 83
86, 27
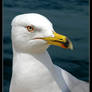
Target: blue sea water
69, 17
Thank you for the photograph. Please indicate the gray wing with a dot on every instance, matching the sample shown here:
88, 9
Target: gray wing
69, 83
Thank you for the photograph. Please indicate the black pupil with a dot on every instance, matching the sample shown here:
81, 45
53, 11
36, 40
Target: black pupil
30, 27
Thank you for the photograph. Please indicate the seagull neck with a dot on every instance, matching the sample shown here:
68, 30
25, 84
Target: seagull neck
38, 60
41, 62
33, 58
40, 57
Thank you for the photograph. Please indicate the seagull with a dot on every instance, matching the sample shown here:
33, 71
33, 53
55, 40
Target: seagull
33, 70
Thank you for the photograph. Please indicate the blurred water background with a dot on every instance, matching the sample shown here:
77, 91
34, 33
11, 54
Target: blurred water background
69, 17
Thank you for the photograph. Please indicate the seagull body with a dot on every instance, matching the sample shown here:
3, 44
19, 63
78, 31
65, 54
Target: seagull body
33, 70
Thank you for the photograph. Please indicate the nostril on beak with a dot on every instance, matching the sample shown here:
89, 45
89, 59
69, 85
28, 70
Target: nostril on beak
60, 39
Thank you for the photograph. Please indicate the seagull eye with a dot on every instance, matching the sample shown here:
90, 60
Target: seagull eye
30, 28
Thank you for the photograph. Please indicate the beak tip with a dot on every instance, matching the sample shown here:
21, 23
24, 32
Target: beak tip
71, 46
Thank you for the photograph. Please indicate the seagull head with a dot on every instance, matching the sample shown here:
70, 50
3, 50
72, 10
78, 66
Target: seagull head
34, 33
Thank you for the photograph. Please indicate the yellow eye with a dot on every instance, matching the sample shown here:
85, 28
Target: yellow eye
30, 28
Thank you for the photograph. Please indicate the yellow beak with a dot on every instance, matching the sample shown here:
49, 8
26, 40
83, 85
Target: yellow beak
59, 40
